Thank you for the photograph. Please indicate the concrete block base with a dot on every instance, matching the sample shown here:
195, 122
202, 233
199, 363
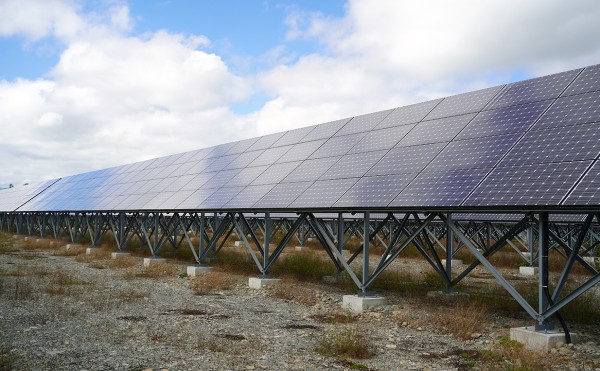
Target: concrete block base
359, 304
153, 261
301, 248
538, 340
27, 238
261, 283
528, 271
453, 295
238, 244
527, 255
116, 255
71, 246
590, 260
90, 250
15, 236
454, 262
196, 270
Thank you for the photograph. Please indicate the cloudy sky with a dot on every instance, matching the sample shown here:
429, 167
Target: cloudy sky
87, 84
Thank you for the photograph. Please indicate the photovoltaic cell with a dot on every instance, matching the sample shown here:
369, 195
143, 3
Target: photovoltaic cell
282, 194
440, 188
587, 192
311, 170
363, 123
249, 196
408, 114
219, 198
301, 151
324, 131
293, 136
353, 166
576, 109
505, 120
587, 81
463, 103
195, 199
265, 141
374, 191
440, 130
243, 160
242, 146
323, 193
473, 153
270, 155
276, 173
337, 146
381, 139
247, 176
220, 179
541, 88
532, 185
405, 160
567, 143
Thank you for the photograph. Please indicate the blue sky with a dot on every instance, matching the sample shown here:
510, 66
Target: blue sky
87, 84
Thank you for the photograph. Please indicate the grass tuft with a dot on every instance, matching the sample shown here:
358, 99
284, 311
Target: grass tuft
345, 342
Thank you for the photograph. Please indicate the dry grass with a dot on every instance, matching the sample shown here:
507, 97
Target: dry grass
304, 266
154, 271
511, 355
335, 318
122, 262
73, 251
101, 254
23, 289
294, 292
213, 282
345, 342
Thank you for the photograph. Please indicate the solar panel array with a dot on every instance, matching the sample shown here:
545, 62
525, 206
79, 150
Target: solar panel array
530, 143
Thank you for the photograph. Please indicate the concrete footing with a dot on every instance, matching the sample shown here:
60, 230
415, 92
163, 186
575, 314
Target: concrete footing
116, 255
153, 261
528, 271
359, 304
454, 295
261, 283
590, 260
71, 246
453, 261
196, 270
301, 248
15, 236
89, 250
534, 340
238, 243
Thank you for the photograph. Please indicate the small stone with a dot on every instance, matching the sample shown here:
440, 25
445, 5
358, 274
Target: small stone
419, 329
570, 345
404, 324
249, 367
390, 346
475, 335
559, 344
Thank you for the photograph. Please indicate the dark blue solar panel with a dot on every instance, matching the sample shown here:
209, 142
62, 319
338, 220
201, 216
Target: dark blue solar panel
247, 176
374, 191
440, 188
282, 195
323, 193
440, 130
381, 139
352, 166
219, 198
408, 114
541, 88
587, 192
567, 143
473, 153
406, 160
311, 170
576, 109
270, 155
276, 173
248, 196
337, 146
533, 185
221, 178
363, 123
505, 120
301, 151
324, 131
588, 80
463, 103
194, 200
243, 160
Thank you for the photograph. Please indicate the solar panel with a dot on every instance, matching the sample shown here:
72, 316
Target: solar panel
588, 80
247, 176
576, 109
440, 130
293, 136
325, 131
473, 153
282, 194
221, 178
463, 103
195, 199
265, 142
353, 166
276, 173
270, 155
360, 124
243, 160
567, 143
406, 160
374, 191
381, 139
587, 192
337, 146
533, 185
219, 198
440, 188
242, 146
505, 120
249, 196
541, 88
311, 170
408, 114
301, 151
323, 193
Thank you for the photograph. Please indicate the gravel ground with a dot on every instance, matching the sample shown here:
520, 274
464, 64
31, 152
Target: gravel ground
58, 313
